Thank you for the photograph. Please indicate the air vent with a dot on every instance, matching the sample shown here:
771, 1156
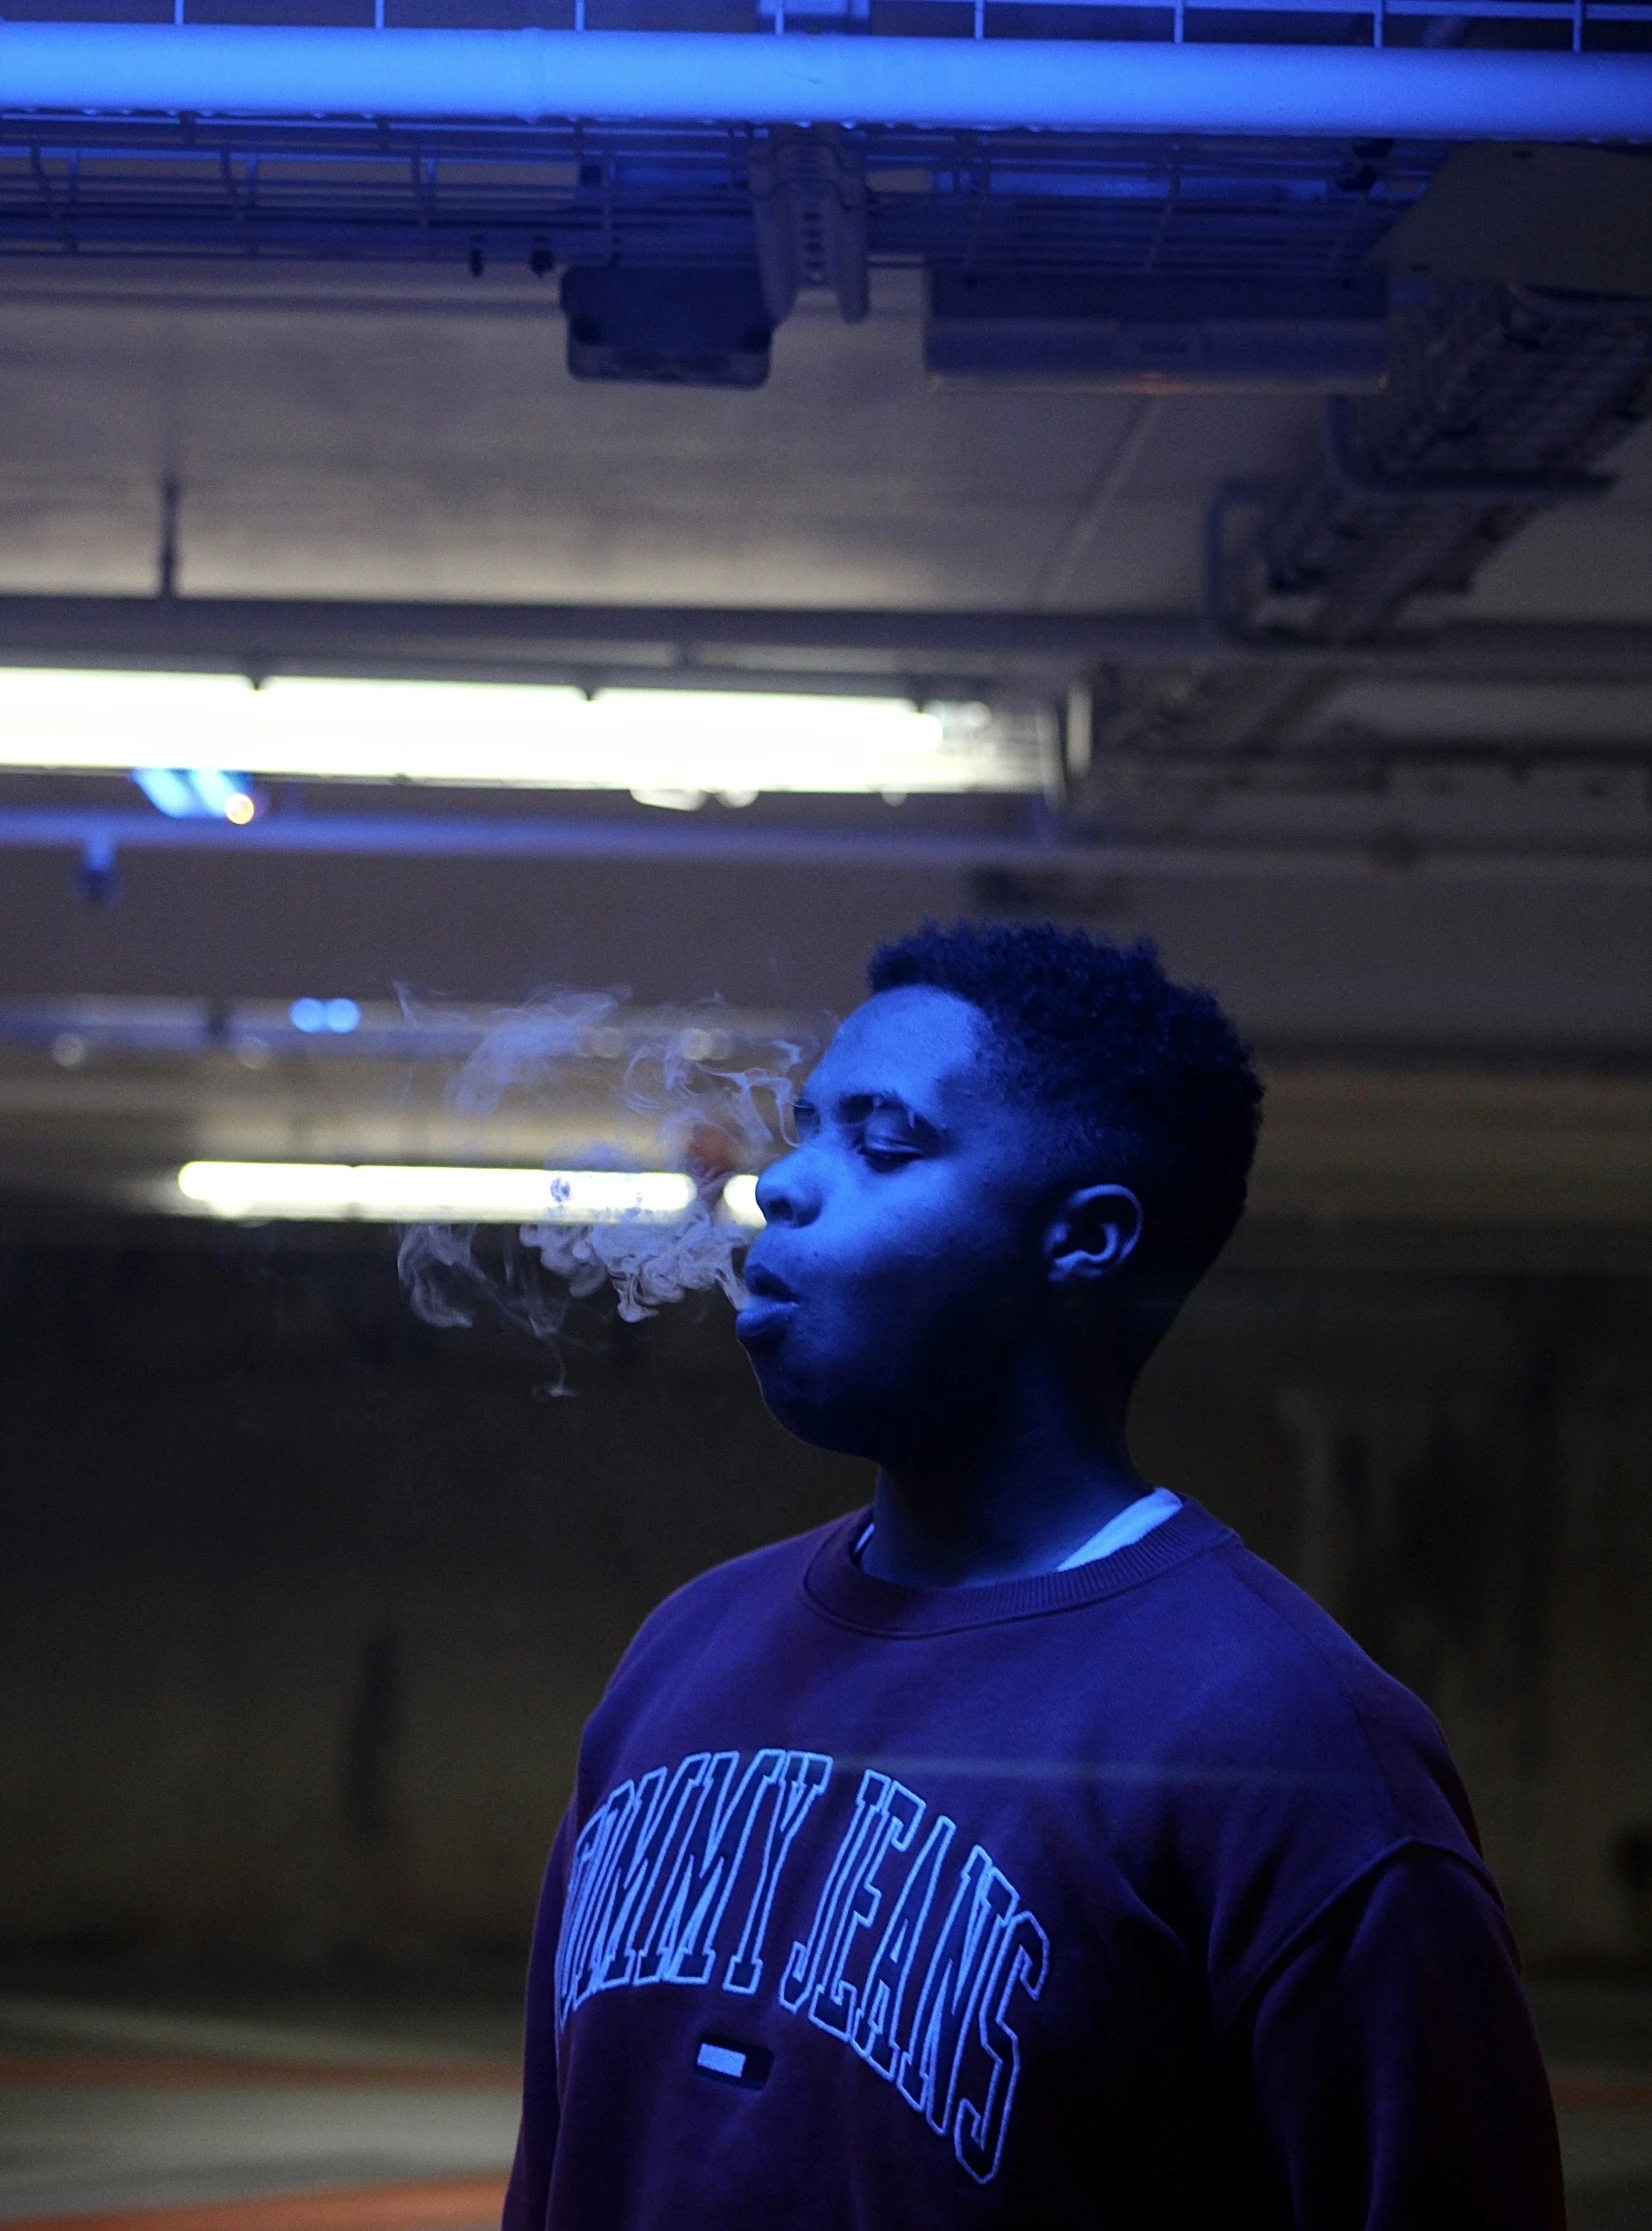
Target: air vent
1170, 335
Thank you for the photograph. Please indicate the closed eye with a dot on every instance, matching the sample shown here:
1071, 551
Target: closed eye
889, 1158
887, 1147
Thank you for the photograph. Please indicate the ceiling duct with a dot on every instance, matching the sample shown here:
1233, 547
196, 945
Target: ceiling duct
683, 327
1499, 402
1170, 335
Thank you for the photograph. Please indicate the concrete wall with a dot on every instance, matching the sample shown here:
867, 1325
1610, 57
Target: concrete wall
301, 1605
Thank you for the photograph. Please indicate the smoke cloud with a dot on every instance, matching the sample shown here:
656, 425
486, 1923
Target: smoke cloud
715, 1100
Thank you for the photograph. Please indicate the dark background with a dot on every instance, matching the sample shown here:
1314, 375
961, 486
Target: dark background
302, 1604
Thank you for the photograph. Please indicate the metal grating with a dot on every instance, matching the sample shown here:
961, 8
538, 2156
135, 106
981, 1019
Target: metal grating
475, 195
1604, 24
481, 197
1494, 394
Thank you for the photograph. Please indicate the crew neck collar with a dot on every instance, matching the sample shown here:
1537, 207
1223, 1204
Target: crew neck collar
838, 1589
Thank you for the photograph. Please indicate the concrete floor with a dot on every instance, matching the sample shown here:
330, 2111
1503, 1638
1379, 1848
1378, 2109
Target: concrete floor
81, 2152
1598, 2037
399, 2119
402, 2115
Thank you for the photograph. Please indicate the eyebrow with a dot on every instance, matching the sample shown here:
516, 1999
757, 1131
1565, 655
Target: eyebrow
855, 1107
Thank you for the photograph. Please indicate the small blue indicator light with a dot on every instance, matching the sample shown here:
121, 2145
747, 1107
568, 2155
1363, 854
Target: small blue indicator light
338, 1015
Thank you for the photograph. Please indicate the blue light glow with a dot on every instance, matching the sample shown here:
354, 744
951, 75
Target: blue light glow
338, 1015
1106, 85
168, 791
221, 794
197, 793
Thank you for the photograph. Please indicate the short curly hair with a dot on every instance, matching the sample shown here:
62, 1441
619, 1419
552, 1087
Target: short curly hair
1142, 1075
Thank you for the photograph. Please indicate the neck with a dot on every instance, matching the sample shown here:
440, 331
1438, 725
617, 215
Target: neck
1032, 1484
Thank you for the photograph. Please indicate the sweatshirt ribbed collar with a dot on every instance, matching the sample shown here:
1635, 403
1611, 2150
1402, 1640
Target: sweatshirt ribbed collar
836, 1587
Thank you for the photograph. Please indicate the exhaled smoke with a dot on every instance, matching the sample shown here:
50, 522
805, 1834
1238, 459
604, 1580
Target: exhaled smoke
714, 1101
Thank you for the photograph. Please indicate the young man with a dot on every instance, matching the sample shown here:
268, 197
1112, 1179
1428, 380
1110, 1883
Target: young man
1021, 1852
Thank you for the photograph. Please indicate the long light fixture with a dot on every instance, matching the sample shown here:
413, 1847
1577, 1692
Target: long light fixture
672, 746
417, 1192
1105, 85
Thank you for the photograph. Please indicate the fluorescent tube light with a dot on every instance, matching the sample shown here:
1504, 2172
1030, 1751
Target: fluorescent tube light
414, 1193
659, 742
740, 1199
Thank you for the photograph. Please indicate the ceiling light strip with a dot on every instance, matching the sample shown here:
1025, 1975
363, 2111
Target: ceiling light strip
180, 730
417, 1192
694, 77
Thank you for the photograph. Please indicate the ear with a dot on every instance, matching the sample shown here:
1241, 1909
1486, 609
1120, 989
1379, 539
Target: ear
1092, 1234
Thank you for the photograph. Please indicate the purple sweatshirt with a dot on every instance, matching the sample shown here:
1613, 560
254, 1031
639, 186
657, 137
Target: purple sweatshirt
1133, 1898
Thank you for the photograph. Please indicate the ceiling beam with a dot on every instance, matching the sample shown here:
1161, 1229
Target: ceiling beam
671, 839
673, 646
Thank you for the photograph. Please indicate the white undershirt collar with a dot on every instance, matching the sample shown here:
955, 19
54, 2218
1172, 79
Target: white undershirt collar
1135, 1520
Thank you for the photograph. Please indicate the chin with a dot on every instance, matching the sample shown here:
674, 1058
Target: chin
824, 1417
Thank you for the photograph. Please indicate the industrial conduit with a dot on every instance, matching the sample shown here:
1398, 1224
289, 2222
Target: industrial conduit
711, 77
100, 836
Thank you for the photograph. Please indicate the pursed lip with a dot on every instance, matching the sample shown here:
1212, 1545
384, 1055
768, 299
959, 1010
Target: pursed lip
770, 1308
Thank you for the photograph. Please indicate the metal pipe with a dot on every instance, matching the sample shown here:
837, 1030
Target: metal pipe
688, 77
678, 646
678, 841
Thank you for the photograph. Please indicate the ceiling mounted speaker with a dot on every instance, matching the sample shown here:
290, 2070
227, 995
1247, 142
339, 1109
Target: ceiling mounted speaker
1151, 335
686, 326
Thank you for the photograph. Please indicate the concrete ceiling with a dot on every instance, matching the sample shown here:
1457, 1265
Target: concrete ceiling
419, 437
439, 448
378, 436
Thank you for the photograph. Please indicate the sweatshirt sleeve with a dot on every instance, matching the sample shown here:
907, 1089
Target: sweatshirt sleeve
527, 2197
1395, 2067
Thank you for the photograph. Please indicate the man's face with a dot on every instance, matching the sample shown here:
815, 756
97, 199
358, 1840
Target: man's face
900, 1261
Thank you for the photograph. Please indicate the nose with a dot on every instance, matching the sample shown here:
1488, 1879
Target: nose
786, 1193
